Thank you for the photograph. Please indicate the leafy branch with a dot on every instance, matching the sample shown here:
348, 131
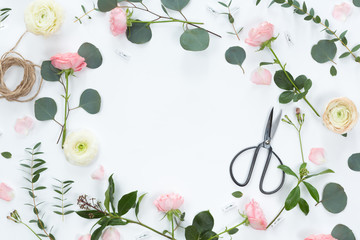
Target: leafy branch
61, 190
85, 13
231, 19
4, 13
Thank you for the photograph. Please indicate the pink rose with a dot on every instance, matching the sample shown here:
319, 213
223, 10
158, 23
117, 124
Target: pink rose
317, 156
6, 192
261, 76
168, 202
260, 34
23, 125
110, 234
320, 237
85, 237
98, 174
68, 61
342, 11
118, 21
255, 216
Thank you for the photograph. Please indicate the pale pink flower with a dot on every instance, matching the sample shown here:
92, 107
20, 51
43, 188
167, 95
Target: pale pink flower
110, 234
99, 173
342, 11
261, 76
118, 21
317, 156
67, 61
320, 237
6, 192
255, 216
168, 202
24, 125
85, 237
260, 34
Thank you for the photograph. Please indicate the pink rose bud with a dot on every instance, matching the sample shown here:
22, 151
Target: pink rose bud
261, 76
85, 237
320, 237
111, 234
317, 156
24, 125
260, 34
342, 11
98, 174
67, 61
118, 21
255, 216
168, 202
6, 192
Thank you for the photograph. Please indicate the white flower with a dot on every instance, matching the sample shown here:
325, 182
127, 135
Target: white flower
81, 147
43, 17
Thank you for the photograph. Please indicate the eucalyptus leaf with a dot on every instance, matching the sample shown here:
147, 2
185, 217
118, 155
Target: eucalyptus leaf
282, 81
333, 71
237, 194
6, 155
45, 109
176, 5
342, 232
286, 97
235, 55
203, 222
354, 162
324, 51
92, 55
139, 33
49, 72
106, 6
300, 81
334, 198
195, 40
90, 101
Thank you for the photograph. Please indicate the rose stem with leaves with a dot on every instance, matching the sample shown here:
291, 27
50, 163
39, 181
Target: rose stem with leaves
229, 229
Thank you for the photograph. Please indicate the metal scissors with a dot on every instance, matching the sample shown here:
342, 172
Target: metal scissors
269, 133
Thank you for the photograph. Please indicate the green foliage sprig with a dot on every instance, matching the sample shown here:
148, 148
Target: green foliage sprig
231, 19
90, 100
139, 31
4, 14
85, 14
61, 190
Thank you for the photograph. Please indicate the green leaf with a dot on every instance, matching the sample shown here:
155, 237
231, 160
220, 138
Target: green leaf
49, 72
35, 178
176, 5
333, 71
257, 2
342, 232
90, 101
92, 55
39, 188
287, 170
266, 63
137, 207
235, 55
324, 51
90, 214
39, 171
334, 198
109, 194
233, 231
203, 222
354, 162
317, 19
126, 203
304, 206
41, 224
307, 85
97, 233
207, 235
282, 81
313, 192
45, 109
357, 47
231, 18
6, 155
222, 4
237, 194
320, 173
195, 40
191, 233
300, 81
299, 96
139, 33
286, 97
344, 55
116, 222
292, 199
106, 6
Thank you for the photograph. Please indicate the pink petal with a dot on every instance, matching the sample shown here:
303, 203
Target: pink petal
98, 174
342, 11
261, 76
111, 234
317, 156
6, 192
320, 237
85, 237
24, 125
255, 216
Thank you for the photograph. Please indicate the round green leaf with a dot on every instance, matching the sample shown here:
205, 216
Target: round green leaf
45, 109
324, 51
195, 40
139, 33
286, 97
237, 194
191, 233
107, 5
334, 198
208, 235
6, 155
176, 5
342, 232
356, 3
333, 71
300, 81
282, 81
292, 199
235, 55
203, 222
354, 162
90, 101
91, 54
49, 72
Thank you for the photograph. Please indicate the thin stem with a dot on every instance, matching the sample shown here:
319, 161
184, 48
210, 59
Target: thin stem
301, 148
227, 230
57, 122
78, 19
145, 226
165, 21
291, 81
233, 25
277, 216
62, 200
183, 15
31, 230
66, 107
172, 227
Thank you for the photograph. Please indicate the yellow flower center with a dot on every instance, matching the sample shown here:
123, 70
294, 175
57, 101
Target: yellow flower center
81, 147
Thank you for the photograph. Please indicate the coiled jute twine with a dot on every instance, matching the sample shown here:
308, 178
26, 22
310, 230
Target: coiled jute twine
12, 58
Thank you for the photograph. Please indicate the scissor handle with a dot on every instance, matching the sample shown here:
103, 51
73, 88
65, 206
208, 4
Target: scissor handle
270, 153
257, 149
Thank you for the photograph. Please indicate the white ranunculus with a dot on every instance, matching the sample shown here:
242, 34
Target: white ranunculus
81, 147
340, 115
43, 17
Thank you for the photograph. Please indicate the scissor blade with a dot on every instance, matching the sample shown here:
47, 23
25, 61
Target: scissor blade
276, 124
267, 135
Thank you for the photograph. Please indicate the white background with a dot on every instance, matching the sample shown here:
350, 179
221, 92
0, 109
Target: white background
172, 120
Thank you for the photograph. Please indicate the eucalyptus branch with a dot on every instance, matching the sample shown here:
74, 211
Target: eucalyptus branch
62, 189
85, 13
4, 14
231, 18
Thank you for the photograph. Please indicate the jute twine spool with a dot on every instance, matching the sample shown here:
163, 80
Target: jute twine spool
12, 58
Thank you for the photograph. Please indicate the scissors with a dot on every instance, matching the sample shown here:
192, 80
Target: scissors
269, 133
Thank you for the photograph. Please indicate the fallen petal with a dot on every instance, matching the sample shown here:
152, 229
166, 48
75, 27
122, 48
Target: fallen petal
6, 192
